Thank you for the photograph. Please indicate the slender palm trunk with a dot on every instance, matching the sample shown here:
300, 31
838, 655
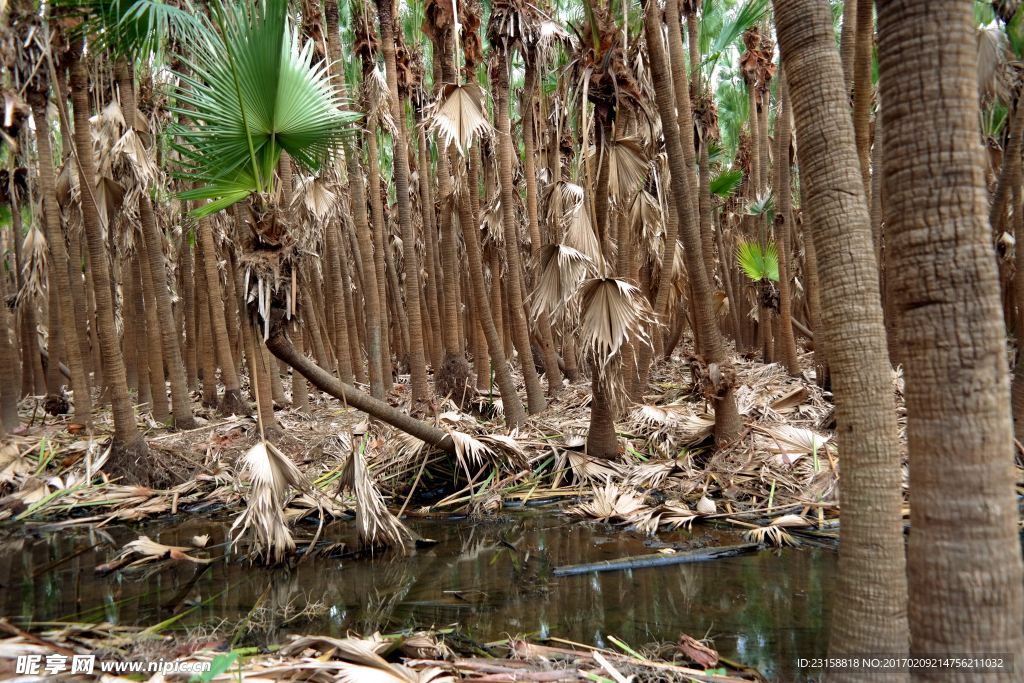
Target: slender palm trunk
154, 241
520, 333
863, 44
59, 279
158, 386
959, 431
417, 358
786, 347
129, 456
727, 418
870, 618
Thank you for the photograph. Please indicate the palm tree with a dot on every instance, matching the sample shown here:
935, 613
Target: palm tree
719, 390
129, 456
959, 431
417, 357
504, 32
872, 579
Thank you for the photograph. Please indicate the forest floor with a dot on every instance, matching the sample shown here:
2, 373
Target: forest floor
776, 484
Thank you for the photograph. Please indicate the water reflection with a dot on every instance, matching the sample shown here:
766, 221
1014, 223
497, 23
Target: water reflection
494, 578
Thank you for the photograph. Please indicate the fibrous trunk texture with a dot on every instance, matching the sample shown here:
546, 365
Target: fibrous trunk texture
872, 579
959, 433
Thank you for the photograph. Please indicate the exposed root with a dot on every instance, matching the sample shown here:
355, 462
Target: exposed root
455, 380
233, 404
130, 462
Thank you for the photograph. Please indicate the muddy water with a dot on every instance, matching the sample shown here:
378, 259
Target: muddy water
766, 609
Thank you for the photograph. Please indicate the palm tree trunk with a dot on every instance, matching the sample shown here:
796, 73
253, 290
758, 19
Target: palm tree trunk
786, 347
417, 359
520, 334
863, 44
205, 332
129, 457
727, 418
153, 242
872, 575
336, 290
847, 42
959, 431
355, 347
59, 279
373, 282
232, 403
158, 386
187, 285
430, 233
1017, 389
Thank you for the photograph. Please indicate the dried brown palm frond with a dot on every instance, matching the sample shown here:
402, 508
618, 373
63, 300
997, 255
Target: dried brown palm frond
613, 313
558, 274
706, 506
795, 441
271, 474
34, 252
650, 473
646, 222
627, 167
13, 463
376, 98
151, 550
775, 532
585, 468
674, 513
580, 235
459, 115
374, 522
610, 503
315, 198
992, 64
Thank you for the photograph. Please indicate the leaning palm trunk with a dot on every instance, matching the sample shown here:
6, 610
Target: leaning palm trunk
129, 456
872, 575
719, 389
59, 273
959, 433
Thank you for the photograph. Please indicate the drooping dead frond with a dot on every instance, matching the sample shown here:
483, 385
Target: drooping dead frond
992, 60
315, 198
580, 235
613, 312
627, 167
673, 513
34, 251
271, 474
377, 98
374, 522
560, 270
458, 115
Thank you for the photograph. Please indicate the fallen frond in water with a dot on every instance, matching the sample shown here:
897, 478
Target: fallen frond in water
270, 473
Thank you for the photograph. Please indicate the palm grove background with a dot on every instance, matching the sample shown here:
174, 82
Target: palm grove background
498, 197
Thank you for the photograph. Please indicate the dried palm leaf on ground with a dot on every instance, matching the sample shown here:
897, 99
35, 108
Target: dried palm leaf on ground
673, 513
374, 522
610, 503
271, 474
775, 532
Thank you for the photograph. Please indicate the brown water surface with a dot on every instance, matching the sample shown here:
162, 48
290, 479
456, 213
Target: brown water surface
766, 609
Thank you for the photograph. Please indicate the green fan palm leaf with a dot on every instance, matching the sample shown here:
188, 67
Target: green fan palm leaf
756, 266
253, 94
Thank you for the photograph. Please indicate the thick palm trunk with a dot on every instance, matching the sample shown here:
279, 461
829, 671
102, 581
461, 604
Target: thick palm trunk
59, 279
417, 359
1017, 389
959, 433
520, 332
727, 418
129, 458
335, 289
783, 221
429, 232
870, 618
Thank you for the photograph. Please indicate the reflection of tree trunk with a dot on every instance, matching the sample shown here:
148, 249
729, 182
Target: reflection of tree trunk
872, 576
952, 335
129, 457
60, 285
